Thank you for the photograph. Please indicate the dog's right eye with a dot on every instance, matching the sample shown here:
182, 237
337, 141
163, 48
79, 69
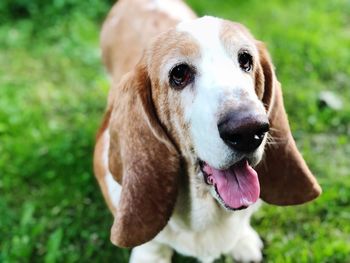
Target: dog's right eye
180, 76
245, 61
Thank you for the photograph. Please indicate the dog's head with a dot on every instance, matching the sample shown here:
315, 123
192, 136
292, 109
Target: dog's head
204, 95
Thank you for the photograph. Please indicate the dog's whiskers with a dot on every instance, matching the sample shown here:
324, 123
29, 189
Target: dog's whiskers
271, 140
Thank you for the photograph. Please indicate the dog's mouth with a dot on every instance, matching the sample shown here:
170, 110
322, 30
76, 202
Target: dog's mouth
236, 187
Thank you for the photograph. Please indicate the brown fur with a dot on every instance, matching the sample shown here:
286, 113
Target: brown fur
284, 176
165, 98
150, 164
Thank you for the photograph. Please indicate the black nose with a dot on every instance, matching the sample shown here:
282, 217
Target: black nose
243, 131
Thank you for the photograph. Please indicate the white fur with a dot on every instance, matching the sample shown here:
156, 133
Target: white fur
224, 233
249, 246
151, 252
173, 8
114, 189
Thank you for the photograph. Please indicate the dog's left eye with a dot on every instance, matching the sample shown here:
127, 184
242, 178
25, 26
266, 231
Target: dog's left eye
180, 76
245, 61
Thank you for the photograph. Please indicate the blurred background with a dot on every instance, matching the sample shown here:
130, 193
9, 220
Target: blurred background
53, 92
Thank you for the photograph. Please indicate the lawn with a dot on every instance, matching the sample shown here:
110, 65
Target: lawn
53, 90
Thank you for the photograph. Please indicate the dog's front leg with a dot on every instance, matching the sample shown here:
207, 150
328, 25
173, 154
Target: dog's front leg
151, 252
248, 247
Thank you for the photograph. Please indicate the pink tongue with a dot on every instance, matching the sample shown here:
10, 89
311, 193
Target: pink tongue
237, 186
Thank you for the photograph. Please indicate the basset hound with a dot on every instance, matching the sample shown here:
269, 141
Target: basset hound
194, 134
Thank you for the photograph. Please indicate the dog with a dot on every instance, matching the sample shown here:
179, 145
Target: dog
194, 134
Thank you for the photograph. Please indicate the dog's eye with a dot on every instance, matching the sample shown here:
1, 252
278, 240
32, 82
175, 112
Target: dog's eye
180, 76
245, 61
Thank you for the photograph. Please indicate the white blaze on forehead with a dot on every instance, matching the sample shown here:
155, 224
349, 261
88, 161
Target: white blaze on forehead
202, 29
219, 80
219, 65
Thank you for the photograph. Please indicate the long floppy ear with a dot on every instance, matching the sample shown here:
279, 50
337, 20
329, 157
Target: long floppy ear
143, 159
284, 176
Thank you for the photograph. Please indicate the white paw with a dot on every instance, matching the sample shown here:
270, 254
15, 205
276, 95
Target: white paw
151, 252
248, 247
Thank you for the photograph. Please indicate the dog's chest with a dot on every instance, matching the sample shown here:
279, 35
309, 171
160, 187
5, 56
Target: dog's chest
200, 228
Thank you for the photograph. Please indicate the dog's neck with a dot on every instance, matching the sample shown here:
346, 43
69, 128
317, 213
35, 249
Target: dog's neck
195, 208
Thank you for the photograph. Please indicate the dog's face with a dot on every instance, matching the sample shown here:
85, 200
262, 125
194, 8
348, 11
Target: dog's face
204, 77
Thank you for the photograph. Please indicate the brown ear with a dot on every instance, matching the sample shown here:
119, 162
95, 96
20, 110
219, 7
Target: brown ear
143, 160
284, 176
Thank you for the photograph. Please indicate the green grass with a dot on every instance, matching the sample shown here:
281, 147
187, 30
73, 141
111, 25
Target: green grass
52, 96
